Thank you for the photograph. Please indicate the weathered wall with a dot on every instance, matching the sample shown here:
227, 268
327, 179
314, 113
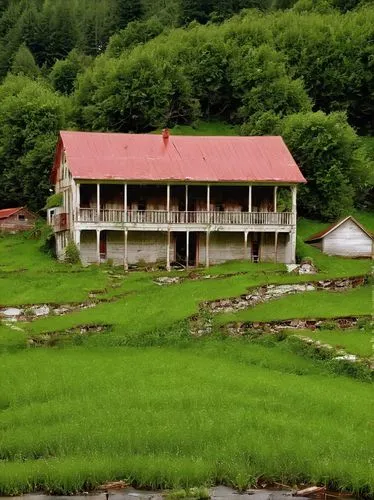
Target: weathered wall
62, 239
141, 246
348, 240
222, 247
230, 246
14, 223
88, 247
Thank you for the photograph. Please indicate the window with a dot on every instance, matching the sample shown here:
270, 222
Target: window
21, 217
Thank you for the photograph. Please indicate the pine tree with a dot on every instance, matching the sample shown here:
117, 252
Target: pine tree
24, 63
128, 10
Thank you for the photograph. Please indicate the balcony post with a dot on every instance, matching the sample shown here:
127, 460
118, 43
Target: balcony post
168, 251
245, 244
276, 246
275, 198
77, 238
250, 198
98, 246
294, 207
187, 248
125, 202
125, 257
77, 201
168, 202
207, 249
98, 201
186, 204
208, 203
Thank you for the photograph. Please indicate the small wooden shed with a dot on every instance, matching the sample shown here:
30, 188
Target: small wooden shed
347, 238
17, 219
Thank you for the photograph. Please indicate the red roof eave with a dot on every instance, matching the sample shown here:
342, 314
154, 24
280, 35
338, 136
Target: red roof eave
7, 212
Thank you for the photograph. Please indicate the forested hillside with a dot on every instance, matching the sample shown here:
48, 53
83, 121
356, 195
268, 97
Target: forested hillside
302, 69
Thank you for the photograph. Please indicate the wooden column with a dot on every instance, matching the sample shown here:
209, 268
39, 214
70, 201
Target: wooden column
125, 256
168, 251
245, 245
98, 201
77, 238
186, 204
125, 202
207, 249
168, 202
187, 248
276, 246
275, 198
98, 246
292, 246
208, 198
294, 207
77, 201
249, 198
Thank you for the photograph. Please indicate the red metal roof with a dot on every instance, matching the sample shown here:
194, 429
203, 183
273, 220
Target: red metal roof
149, 157
332, 227
7, 212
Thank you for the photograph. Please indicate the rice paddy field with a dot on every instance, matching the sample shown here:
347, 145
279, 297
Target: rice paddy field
122, 390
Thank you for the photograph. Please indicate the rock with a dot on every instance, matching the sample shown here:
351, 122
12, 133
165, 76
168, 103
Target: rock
347, 357
61, 310
307, 269
292, 268
40, 310
167, 280
11, 312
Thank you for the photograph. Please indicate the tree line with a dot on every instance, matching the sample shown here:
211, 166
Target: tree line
302, 69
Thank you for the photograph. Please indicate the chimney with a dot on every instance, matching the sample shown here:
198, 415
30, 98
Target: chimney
165, 134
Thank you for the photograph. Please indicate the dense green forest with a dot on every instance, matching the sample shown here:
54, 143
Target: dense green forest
303, 69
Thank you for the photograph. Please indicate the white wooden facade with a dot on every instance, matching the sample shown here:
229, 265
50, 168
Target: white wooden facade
347, 238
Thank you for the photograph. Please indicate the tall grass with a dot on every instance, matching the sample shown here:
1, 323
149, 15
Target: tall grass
208, 413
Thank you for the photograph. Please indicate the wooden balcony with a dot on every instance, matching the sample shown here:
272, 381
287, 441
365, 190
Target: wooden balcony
163, 217
60, 222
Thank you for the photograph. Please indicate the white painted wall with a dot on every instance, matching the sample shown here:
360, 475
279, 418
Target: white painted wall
348, 240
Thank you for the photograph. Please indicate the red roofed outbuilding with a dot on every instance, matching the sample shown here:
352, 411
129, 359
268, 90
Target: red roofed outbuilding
17, 219
194, 200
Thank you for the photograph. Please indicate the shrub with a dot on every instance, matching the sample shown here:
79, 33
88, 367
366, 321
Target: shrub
327, 325
72, 255
55, 200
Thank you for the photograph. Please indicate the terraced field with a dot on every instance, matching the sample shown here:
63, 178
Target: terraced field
103, 376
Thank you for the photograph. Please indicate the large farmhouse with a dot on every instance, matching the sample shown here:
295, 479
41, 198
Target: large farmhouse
132, 198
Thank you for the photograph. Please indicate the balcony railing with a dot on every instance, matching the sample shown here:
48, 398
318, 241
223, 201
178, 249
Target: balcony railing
165, 217
60, 221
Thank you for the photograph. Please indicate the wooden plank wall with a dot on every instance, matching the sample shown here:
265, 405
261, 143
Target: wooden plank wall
348, 240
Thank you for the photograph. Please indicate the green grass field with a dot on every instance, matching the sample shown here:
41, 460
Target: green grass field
146, 402
354, 341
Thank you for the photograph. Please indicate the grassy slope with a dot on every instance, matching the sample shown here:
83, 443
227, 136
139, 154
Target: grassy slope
225, 412
27, 276
319, 304
209, 410
165, 416
353, 341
